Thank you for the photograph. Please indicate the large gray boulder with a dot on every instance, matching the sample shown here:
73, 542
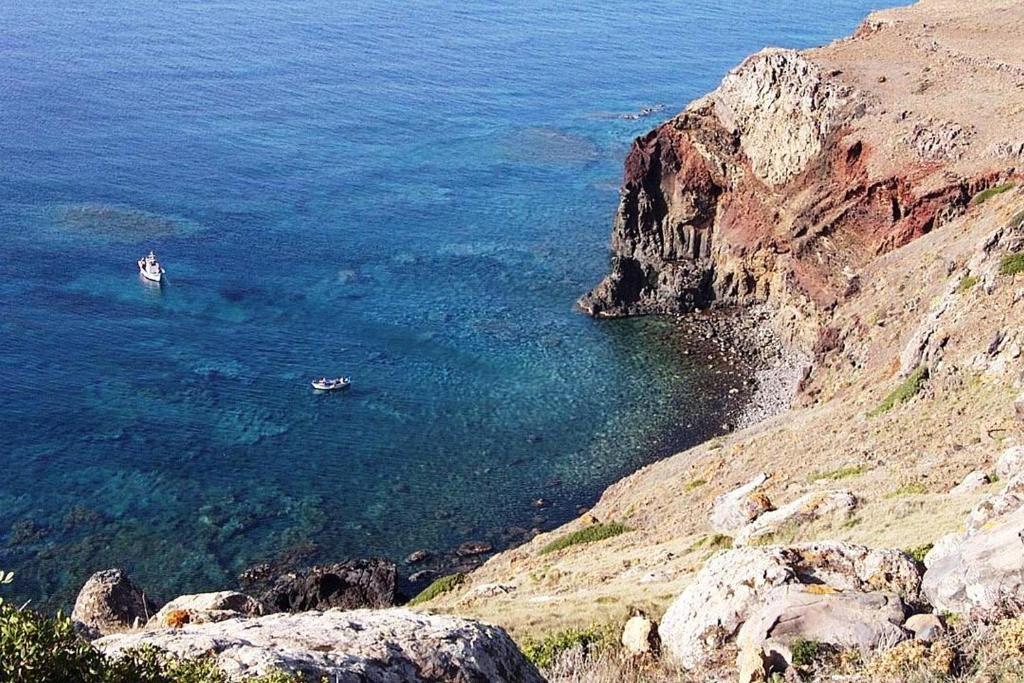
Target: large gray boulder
865, 621
205, 607
733, 510
795, 514
353, 584
361, 646
734, 584
1010, 462
981, 569
110, 602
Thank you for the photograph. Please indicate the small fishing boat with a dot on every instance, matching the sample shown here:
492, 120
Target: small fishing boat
324, 384
150, 268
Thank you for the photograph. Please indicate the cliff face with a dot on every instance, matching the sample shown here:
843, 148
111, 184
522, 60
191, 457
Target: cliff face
802, 167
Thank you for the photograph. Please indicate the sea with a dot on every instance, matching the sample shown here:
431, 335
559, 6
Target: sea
411, 194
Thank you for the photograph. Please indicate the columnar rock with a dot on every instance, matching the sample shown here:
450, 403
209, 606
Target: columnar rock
345, 585
362, 646
801, 511
737, 508
110, 602
733, 585
205, 607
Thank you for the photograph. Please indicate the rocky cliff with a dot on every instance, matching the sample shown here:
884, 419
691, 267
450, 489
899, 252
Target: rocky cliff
803, 167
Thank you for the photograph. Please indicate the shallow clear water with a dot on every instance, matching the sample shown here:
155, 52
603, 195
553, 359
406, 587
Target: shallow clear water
412, 194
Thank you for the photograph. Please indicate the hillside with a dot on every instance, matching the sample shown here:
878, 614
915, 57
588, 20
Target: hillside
869, 193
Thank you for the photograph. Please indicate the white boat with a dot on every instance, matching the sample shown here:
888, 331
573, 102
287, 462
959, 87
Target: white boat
150, 268
324, 384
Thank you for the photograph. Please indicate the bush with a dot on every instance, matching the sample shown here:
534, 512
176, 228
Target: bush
545, 652
805, 652
966, 284
985, 195
919, 552
590, 534
904, 392
1012, 264
841, 473
438, 587
39, 649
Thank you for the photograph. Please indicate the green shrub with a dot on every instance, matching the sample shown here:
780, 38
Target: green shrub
805, 652
904, 392
1012, 264
912, 489
39, 649
841, 473
438, 587
694, 484
590, 534
545, 652
919, 552
985, 195
966, 284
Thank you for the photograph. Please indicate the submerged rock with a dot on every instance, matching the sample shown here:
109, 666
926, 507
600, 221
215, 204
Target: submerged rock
110, 602
362, 646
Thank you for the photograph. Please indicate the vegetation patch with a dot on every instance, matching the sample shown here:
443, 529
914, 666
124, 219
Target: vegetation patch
912, 489
985, 195
1012, 264
909, 388
920, 551
590, 534
547, 651
39, 649
966, 284
805, 652
438, 587
694, 484
841, 473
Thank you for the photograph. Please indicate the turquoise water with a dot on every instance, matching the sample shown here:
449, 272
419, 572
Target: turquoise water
410, 194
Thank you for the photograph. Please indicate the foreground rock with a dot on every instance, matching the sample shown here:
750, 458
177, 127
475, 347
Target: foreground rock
867, 621
364, 646
982, 568
791, 516
343, 585
734, 585
110, 602
733, 510
205, 607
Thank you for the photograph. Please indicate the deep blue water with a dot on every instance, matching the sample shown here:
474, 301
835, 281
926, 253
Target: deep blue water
409, 193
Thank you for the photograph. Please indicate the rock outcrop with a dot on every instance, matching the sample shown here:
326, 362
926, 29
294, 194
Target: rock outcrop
982, 568
362, 646
791, 516
205, 607
343, 585
110, 602
733, 585
734, 510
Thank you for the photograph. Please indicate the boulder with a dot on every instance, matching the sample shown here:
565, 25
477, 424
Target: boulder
979, 570
110, 602
733, 584
971, 483
926, 627
801, 511
640, 636
472, 548
737, 508
1010, 462
417, 556
344, 585
866, 621
205, 607
1002, 503
364, 646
